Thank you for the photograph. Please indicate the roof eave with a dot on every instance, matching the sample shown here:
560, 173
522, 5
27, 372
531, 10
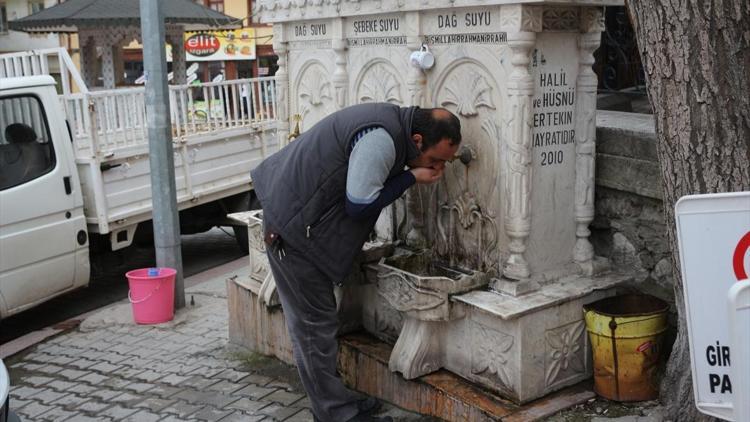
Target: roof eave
69, 25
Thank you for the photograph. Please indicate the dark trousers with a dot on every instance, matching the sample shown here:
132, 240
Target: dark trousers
309, 307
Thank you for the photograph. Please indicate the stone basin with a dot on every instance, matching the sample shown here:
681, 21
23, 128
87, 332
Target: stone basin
421, 287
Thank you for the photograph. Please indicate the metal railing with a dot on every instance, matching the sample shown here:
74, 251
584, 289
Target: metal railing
42, 62
213, 106
105, 121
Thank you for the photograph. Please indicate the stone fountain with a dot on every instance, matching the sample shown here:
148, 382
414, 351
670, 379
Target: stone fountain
485, 273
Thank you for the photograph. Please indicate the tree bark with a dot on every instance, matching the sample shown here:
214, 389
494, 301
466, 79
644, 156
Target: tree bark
696, 56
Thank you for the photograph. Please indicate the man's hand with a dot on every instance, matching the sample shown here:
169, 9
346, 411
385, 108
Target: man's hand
426, 175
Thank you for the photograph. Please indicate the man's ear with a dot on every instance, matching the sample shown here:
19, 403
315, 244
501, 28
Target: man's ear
417, 138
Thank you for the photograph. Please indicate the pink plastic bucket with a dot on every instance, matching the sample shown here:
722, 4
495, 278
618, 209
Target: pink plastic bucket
152, 296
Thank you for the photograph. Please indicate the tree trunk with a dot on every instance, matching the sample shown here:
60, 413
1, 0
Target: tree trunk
696, 55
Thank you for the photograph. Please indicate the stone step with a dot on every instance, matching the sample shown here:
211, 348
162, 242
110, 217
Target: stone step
626, 157
363, 364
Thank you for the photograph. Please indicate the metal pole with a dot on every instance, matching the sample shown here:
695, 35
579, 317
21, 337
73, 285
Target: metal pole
163, 190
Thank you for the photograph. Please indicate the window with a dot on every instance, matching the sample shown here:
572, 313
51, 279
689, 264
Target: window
36, 6
217, 5
26, 150
3, 19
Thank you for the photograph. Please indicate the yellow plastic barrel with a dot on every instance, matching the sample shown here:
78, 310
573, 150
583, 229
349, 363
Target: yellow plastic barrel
626, 333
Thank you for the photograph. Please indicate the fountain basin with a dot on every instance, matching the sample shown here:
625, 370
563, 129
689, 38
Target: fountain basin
420, 286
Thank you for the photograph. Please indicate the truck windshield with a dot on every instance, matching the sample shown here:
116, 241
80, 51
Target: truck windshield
26, 150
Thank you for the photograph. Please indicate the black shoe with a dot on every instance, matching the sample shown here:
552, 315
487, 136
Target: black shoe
366, 407
369, 418
359, 417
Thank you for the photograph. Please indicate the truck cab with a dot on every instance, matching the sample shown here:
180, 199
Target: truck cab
43, 232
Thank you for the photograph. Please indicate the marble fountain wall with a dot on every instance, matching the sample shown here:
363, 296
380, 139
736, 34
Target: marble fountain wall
508, 229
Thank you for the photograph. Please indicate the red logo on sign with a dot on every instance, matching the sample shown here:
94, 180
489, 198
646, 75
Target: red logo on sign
202, 45
738, 260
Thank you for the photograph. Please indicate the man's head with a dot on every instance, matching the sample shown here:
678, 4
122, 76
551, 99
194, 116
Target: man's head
437, 134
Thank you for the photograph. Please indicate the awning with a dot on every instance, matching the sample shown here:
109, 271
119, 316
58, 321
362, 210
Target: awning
72, 15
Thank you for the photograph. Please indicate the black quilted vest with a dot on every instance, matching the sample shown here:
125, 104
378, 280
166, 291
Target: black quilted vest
302, 188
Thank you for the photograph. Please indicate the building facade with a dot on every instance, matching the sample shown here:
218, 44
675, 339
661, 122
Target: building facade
246, 52
11, 41
242, 53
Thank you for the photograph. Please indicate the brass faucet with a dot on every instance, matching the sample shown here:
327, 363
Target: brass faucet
464, 154
295, 133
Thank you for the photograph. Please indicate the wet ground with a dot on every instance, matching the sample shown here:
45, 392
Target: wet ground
600, 410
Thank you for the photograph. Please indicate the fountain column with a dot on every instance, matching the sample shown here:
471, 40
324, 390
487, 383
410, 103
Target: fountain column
592, 25
282, 83
522, 23
340, 77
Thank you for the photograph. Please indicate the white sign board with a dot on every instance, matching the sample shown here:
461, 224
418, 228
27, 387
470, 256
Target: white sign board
739, 326
712, 232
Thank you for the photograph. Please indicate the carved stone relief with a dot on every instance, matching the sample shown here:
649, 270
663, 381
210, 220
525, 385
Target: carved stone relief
379, 83
471, 216
468, 89
388, 321
259, 268
560, 19
592, 19
489, 354
418, 350
564, 352
520, 17
404, 296
315, 93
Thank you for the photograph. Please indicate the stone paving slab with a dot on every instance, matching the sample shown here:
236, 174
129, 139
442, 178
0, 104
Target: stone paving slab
110, 369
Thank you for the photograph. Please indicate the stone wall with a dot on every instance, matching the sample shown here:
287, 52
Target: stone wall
629, 226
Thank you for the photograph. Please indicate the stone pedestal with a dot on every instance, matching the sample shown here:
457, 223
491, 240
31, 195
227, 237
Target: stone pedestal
256, 321
425, 301
521, 347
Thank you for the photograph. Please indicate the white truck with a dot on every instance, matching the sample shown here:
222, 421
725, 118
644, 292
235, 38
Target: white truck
74, 172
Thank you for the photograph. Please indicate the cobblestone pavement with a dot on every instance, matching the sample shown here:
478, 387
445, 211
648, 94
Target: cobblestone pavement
112, 369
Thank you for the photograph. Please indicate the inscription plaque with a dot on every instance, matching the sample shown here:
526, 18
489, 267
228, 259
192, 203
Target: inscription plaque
463, 26
373, 30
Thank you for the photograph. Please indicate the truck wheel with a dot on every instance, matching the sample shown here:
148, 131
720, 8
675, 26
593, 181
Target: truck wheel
99, 243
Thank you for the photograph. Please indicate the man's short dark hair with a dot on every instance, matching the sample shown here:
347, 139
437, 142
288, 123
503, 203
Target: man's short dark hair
434, 129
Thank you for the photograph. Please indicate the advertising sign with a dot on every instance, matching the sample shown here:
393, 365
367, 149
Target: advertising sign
237, 44
713, 232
